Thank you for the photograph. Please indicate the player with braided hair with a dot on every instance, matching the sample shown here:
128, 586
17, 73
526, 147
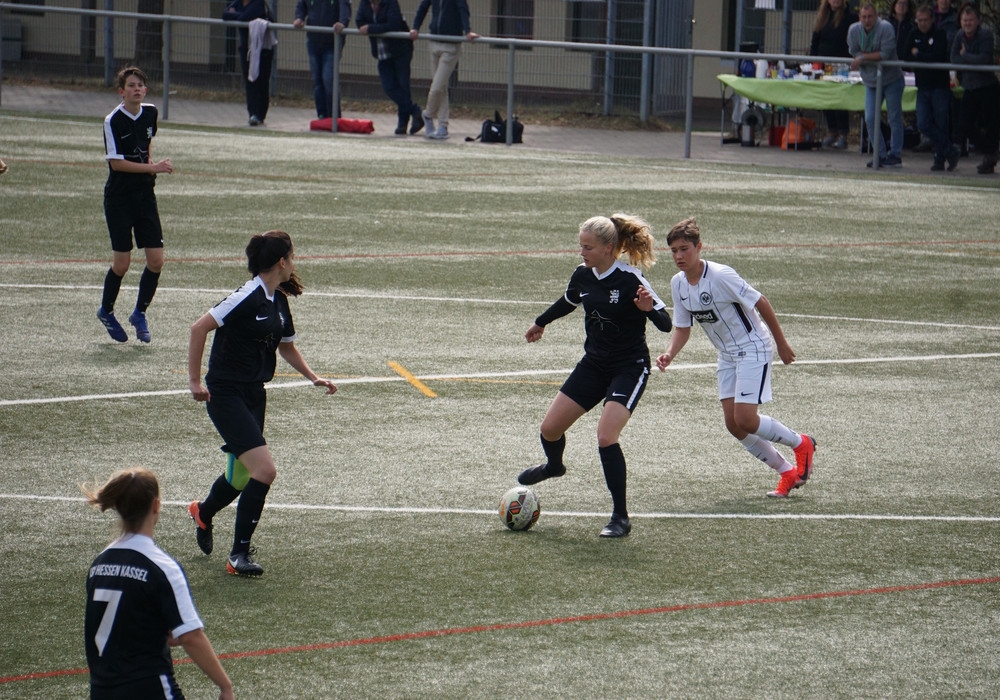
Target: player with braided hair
252, 324
741, 323
617, 300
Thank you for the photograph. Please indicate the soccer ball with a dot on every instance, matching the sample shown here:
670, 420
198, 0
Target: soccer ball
519, 508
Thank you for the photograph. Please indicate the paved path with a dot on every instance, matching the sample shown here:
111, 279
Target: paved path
706, 146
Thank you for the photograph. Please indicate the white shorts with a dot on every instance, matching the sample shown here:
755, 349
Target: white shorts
745, 381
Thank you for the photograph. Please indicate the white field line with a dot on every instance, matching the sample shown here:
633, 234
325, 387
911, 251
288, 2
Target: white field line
340, 295
474, 300
485, 375
567, 514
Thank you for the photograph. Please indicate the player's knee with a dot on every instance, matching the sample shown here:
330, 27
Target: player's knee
267, 474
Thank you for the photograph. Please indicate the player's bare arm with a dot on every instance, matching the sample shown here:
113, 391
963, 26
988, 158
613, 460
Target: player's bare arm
290, 354
128, 166
196, 350
199, 648
677, 341
766, 311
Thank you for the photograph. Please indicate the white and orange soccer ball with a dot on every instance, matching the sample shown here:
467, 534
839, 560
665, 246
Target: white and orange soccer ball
519, 508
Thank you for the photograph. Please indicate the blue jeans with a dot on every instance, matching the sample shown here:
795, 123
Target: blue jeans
892, 93
394, 73
933, 110
321, 67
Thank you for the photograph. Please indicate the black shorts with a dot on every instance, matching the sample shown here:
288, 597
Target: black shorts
622, 382
163, 686
133, 214
237, 410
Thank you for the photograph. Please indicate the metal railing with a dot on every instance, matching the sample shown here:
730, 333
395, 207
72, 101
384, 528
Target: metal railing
512, 45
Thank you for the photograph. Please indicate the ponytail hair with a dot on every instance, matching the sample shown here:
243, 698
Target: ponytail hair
265, 250
629, 235
130, 493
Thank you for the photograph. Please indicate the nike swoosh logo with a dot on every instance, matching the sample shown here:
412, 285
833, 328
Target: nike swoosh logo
244, 541
684, 298
745, 393
617, 394
584, 294
263, 318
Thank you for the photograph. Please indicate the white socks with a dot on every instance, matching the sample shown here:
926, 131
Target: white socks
775, 431
765, 452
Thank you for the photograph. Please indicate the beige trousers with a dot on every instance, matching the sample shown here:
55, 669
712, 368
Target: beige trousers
444, 59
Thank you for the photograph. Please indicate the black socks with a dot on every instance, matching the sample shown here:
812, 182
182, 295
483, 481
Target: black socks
613, 462
248, 512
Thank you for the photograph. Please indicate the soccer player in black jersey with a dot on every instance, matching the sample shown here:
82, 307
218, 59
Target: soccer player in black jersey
251, 325
129, 202
139, 604
617, 300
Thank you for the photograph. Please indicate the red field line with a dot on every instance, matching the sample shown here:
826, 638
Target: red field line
488, 253
410, 636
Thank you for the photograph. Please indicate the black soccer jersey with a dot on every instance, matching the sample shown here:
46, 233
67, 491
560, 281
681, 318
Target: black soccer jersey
251, 324
136, 596
615, 327
127, 137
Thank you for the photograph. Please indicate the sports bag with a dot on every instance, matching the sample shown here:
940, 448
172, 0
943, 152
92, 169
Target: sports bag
495, 130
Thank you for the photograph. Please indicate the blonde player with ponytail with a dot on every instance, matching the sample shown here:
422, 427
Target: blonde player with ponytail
617, 300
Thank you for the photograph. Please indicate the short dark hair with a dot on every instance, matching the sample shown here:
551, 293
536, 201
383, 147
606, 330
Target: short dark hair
125, 72
969, 7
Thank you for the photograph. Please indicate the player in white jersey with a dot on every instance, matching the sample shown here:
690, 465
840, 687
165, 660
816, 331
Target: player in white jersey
139, 603
741, 324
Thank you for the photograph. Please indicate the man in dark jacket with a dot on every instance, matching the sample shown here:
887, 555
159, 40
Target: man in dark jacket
928, 43
973, 45
319, 45
376, 17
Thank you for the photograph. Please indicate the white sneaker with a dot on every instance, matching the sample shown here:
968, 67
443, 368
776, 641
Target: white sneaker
440, 134
428, 125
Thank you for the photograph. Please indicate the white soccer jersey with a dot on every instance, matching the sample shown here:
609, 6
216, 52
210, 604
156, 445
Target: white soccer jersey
723, 304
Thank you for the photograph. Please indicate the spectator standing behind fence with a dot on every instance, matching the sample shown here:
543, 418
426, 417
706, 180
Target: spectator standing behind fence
928, 44
129, 202
946, 18
829, 38
448, 18
319, 46
872, 40
376, 17
980, 112
256, 49
901, 19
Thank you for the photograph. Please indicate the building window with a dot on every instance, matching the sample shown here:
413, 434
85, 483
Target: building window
585, 21
514, 19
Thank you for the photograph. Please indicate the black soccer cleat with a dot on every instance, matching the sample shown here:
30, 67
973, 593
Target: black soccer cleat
619, 526
242, 564
202, 531
533, 475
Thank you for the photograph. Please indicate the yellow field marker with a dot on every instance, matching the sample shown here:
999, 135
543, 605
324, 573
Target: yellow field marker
405, 374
